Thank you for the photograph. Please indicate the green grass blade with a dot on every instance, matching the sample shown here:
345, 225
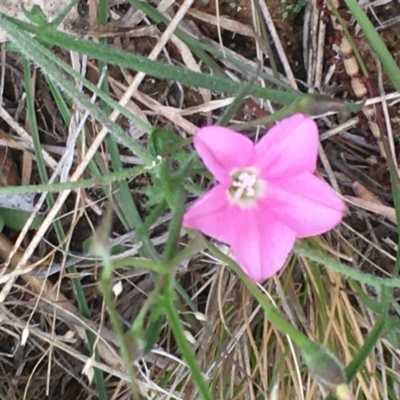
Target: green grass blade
157, 69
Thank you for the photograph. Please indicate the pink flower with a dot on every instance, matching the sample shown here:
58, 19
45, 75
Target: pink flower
267, 194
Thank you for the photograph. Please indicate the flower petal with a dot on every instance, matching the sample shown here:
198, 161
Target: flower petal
223, 150
213, 215
304, 203
289, 148
262, 248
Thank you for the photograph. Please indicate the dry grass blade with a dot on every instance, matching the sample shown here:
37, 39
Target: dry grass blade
46, 290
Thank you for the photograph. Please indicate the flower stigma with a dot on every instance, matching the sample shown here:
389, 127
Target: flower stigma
246, 187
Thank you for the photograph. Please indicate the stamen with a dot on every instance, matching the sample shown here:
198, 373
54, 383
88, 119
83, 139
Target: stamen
245, 186
250, 192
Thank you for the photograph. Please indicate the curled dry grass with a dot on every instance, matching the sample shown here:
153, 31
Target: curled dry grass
241, 354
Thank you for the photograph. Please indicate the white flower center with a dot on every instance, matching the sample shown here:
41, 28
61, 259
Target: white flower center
246, 187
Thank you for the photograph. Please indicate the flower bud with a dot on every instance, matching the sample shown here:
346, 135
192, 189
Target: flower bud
343, 392
316, 104
326, 369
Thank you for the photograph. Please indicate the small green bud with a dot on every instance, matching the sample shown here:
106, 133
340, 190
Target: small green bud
315, 104
326, 369
343, 392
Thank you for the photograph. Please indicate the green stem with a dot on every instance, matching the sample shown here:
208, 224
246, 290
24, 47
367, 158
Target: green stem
303, 249
84, 183
105, 284
271, 312
175, 225
182, 342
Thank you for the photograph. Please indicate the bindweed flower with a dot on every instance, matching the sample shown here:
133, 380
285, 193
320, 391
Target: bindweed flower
267, 194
